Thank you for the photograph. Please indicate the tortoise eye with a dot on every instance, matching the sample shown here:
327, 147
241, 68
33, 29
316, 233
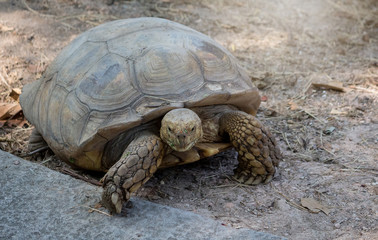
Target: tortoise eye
193, 128
169, 129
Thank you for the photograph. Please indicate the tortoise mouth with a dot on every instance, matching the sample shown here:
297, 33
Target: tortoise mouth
181, 129
182, 146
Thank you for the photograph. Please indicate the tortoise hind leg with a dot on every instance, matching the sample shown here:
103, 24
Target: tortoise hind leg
257, 148
136, 166
36, 142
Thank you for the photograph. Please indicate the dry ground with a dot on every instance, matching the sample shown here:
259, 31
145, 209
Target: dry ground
329, 138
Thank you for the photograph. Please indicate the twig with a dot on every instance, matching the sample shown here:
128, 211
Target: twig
34, 11
38, 150
299, 142
96, 210
45, 15
305, 89
304, 157
78, 176
321, 142
363, 89
313, 116
359, 169
67, 25
45, 161
367, 144
292, 203
287, 141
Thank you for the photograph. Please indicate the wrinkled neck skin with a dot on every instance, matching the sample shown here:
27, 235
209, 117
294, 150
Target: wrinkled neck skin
181, 129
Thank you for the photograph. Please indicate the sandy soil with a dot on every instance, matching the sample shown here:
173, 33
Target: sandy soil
329, 138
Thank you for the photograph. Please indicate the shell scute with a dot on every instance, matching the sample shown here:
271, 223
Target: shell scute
125, 73
72, 71
108, 85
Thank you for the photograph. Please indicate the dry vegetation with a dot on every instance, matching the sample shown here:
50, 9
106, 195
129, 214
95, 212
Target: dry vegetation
316, 65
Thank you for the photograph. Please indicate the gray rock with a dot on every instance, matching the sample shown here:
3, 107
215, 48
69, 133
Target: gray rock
38, 203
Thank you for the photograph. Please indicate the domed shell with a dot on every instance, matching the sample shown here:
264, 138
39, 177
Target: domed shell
125, 73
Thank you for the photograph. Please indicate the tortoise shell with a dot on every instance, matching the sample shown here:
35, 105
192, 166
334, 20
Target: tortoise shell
125, 73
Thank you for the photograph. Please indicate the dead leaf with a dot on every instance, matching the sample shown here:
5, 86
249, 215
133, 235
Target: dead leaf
4, 28
20, 122
322, 80
293, 106
314, 206
333, 85
8, 110
15, 94
11, 115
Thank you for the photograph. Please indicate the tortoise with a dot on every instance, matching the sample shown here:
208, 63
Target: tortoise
130, 96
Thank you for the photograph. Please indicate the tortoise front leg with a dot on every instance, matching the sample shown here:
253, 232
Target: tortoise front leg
136, 166
257, 148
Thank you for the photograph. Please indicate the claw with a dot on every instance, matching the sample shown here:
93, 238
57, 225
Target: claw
240, 179
111, 199
257, 180
250, 181
115, 198
268, 179
118, 207
117, 202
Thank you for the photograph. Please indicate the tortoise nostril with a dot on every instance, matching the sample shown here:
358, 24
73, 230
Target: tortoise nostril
181, 136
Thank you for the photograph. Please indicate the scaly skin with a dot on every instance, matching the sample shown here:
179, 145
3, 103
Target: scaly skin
138, 163
258, 150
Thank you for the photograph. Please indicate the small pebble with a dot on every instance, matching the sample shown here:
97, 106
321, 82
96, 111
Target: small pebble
16, 162
282, 205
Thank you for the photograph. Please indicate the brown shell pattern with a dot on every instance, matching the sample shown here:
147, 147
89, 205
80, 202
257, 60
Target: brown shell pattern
124, 73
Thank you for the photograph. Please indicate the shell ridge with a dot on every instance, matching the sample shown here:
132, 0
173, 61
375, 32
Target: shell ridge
133, 32
68, 57
45, 124
134, 79
89, 69
80, 139
196, 58
60, 114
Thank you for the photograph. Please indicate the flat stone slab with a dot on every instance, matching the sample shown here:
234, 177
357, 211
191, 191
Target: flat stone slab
38, 203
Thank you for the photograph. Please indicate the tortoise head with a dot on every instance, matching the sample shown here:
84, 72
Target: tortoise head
181, 129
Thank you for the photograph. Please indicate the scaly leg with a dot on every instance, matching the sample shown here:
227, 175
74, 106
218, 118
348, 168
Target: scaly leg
136, 166
36, 142
257, 148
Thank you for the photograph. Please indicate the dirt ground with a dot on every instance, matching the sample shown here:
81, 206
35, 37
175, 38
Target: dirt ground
329, 138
